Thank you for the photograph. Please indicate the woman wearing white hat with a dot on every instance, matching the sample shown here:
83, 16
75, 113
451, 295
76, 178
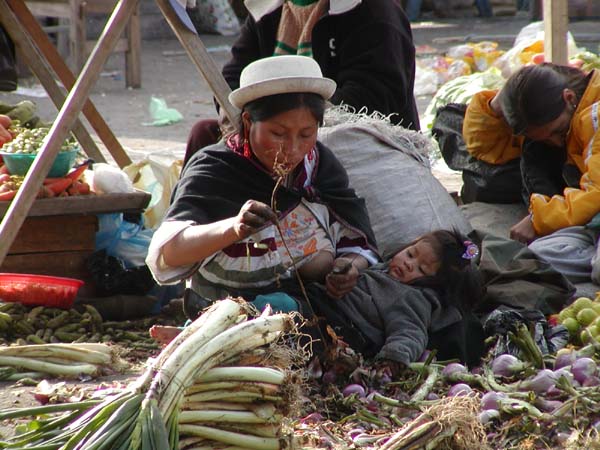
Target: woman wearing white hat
365, 46
220, 231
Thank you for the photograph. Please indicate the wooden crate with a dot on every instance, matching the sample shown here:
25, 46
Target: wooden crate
59, 234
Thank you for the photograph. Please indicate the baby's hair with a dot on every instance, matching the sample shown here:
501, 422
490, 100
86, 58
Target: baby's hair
457, 279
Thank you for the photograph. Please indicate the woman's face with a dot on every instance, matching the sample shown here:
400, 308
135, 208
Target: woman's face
281, 142
414, 262
555, 132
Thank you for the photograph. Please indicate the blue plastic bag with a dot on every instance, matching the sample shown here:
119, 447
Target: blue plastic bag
124, 240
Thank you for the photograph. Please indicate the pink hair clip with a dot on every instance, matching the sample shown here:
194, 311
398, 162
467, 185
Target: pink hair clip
471, 250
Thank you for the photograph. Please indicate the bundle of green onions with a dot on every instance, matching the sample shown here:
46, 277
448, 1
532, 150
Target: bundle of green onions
195, 389
64, 360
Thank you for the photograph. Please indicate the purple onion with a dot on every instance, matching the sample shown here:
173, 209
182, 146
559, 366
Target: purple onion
491, 400
459, 389
488, 415
424, 356
584, 368
507, 365
554, 392
371, 404
452, 369
547, 405
564, 358
565, 372
591, 381
359, 374
562, 438
540, 383
329, 377
432, 396
355, 432
312, 418
314, 369
354, 389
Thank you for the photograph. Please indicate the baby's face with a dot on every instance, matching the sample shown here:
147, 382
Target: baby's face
414, 262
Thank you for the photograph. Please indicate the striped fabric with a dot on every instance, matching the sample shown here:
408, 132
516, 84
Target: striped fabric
298, 17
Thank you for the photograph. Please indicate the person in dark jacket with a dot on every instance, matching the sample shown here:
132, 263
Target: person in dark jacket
421, 298
365, 46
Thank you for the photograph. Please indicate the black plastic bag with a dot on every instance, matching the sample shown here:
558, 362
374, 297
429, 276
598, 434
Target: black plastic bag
502, 320
8, 66
111, 277
482, 182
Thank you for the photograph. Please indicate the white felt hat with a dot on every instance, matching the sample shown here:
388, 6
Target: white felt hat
281, 75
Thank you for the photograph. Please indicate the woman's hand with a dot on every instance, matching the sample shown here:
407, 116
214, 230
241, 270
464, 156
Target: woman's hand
523, 231
252, 216
5, 135
495, 105
342, 278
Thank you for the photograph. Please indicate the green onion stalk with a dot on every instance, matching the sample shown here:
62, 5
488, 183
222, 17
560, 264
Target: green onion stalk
184, 377
110, 424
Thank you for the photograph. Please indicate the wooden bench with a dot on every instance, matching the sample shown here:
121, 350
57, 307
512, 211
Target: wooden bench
75, 14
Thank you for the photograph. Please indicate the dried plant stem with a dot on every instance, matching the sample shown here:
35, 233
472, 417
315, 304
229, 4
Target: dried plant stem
281, 172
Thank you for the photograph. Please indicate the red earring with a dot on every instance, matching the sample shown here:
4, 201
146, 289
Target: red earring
246, 145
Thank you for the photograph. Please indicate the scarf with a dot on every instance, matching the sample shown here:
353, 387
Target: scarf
298, 17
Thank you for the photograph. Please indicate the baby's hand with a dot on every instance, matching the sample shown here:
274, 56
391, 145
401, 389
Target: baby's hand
342, 278
388, 370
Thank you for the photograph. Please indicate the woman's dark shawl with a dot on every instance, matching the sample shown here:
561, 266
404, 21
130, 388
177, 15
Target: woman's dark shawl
217, 181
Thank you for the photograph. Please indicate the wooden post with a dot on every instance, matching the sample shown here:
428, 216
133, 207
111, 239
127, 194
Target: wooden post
43, 44
42, 71
556, 27
21, 204
202, 60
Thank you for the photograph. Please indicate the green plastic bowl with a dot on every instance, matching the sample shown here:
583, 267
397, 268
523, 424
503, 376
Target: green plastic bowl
19, 163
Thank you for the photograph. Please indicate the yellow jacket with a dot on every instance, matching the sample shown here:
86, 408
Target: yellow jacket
576, 206
487, 136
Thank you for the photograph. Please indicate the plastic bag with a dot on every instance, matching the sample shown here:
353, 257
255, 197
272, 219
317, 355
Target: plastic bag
460, 90
529, 42
109, 179
124, 240
111, 277
502, 320
158, 176
426, 81
161, 114
214, 16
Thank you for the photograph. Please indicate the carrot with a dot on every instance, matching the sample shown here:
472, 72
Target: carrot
79, 188
4, 170
59, 186
51, 180
77, 173
4, 177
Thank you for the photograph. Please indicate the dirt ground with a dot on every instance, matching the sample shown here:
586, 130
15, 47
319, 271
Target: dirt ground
167, 73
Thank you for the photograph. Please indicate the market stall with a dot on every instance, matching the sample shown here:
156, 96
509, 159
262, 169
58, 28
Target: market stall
23, 216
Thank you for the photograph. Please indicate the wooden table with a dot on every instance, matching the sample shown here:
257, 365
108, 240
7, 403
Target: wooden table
59, 234
45, 62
